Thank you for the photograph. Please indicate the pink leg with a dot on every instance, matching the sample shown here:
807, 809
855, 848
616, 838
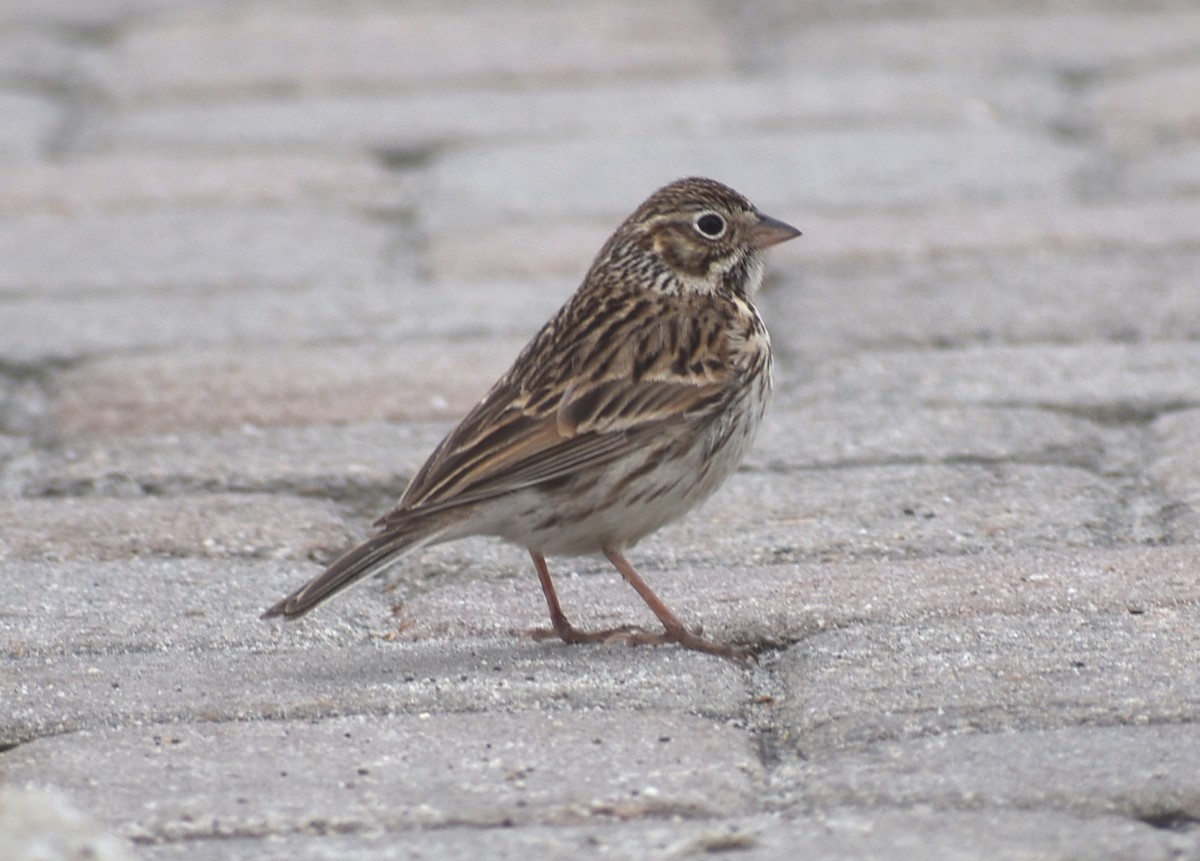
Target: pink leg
563, 628
675, 631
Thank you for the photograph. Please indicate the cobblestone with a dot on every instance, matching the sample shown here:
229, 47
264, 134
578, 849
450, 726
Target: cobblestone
256, 50
168, 249
129, 182
256, 259
219, 525
29, 124
217, 390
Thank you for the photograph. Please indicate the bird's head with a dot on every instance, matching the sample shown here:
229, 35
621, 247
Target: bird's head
699, 235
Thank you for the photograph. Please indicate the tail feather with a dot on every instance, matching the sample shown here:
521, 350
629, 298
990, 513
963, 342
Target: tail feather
357, 563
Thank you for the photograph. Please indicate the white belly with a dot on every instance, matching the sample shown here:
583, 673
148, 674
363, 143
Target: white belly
614, 508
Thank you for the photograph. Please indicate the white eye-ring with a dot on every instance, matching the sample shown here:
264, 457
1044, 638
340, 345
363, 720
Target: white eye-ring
710, 225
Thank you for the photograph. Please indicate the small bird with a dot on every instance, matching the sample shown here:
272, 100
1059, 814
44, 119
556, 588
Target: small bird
628, 409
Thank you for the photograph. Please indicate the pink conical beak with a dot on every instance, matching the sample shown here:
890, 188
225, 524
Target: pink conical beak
771, 231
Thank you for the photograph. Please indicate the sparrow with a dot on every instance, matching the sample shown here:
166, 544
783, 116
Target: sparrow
629, 408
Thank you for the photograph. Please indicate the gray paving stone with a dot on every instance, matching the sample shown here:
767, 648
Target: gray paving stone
164, 607
1004, 41
150, 641
1175, 467
905, 510
98, 13
394, 772
989, 674
1144, 772
389, 308
128, 659
217, 525
648, 837
798, 434
978, 298
317, 682
847, 833
216, 390
23, 405
129, 181
174, 248
30, 122
966, 542
783, 603
1070, 229
528, 250
418, 121
37, 54
1143, 111
1177, 461
269, 49
18, 464
1110, 381
39, 824
156, 641
814, 169
1164, 172
355, 459
839, 833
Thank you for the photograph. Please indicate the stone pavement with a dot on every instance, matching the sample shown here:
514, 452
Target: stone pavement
255, 258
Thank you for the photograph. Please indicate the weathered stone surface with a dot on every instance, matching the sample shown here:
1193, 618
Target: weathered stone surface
29, 123
219, 390
1140, 112
905, 510
126, 181
857, 600
255, 260
1143, 772
1164, 172
18, 464
1177, 465
156, 606
393, 772
413, 122
1175, 468
1046, 298
266, 51
154, 641
389, 308
991, 674
1107, 381
38, 824
1003, 42
303, 676
305, 460
839, 834
802, 433
200, 525
181, 249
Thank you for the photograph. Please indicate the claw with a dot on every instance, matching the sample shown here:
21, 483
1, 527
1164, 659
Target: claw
572, 635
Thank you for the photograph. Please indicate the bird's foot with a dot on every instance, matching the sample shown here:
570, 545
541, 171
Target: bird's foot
570, 634
632, 635
695, 641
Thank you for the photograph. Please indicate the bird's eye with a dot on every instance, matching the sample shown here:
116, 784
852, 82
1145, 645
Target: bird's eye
711, 225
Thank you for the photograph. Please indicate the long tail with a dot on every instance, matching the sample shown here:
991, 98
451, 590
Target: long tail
368, 558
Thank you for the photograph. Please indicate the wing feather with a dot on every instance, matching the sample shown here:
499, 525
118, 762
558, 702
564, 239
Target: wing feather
521, 435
